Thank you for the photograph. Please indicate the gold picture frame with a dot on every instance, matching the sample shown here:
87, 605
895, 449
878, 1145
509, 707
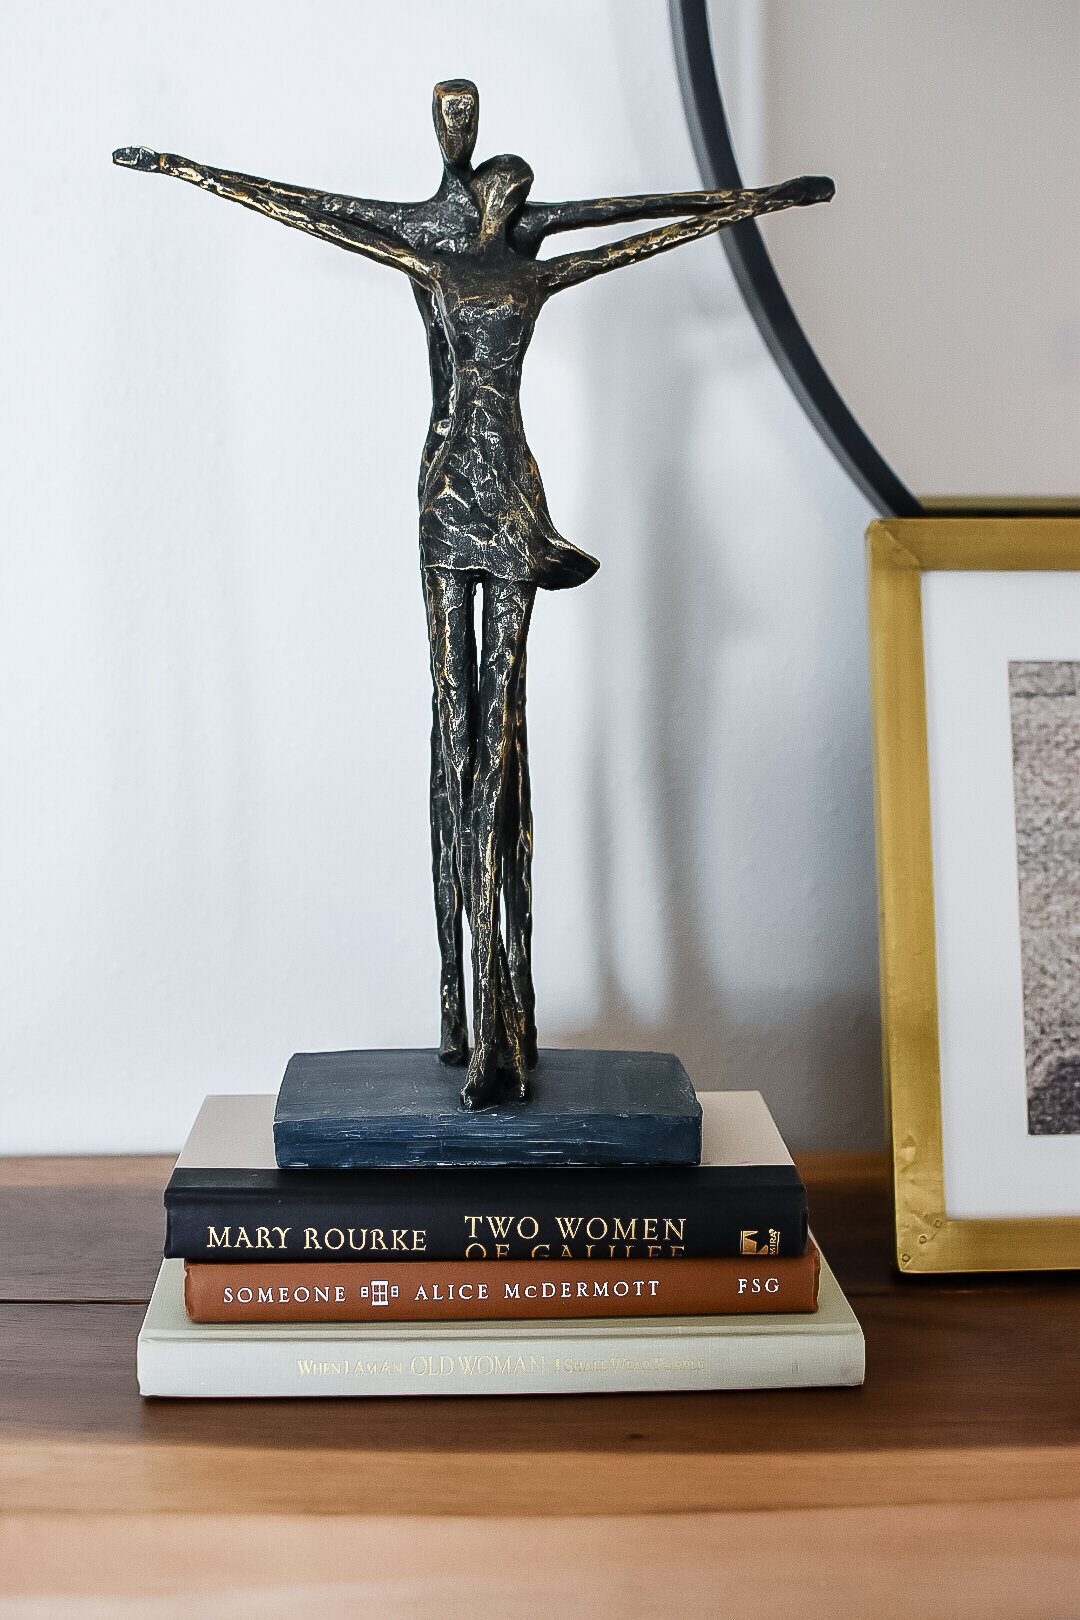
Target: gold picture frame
899, 552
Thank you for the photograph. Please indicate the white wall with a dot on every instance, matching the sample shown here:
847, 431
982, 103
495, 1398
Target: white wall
942, 289
214, 696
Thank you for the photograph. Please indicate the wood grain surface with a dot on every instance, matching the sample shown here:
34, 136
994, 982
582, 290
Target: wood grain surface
81, 1228
973, 1563
971, 1404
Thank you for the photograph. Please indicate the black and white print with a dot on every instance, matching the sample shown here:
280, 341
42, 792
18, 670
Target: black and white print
1044, 701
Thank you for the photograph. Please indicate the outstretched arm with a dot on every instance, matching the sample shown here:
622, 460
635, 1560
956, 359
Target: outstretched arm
538, 220
291, 205
570, 268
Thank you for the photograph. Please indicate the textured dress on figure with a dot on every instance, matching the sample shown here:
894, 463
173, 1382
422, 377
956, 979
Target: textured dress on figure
483, 509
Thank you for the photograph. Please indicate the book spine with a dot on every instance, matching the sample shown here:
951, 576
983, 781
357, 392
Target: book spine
698, 1221
498, 1291
266, 1367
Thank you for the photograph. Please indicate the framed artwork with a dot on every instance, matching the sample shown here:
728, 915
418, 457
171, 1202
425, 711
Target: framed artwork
975, 666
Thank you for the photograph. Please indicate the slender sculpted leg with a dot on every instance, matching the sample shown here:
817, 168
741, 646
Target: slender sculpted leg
449, 908
517, 843
448, 597
456, 707
507, 608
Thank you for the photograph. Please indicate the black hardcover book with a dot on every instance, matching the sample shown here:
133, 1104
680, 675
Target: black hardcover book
227, 1200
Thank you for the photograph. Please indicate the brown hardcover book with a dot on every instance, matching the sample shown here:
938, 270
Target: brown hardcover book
498, 1290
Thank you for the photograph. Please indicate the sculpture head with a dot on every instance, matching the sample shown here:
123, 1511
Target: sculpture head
501, 186
455, 107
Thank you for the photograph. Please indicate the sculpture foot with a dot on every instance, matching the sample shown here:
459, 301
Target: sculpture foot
454, 1045
475, 1094
512, 1083
513, 1087
491, 1082
505, 1088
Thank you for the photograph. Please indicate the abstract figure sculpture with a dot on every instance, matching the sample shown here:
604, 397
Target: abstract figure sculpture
471, 254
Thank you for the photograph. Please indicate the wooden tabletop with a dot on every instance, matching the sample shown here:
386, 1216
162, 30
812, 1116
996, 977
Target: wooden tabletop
967, 1432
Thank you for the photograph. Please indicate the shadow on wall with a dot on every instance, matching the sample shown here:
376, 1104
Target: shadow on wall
666, 894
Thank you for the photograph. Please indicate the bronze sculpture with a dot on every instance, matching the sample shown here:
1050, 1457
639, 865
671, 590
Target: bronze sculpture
471, 254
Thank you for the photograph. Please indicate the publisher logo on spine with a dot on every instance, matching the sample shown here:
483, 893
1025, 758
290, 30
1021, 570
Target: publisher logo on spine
382, 1292
748, 1242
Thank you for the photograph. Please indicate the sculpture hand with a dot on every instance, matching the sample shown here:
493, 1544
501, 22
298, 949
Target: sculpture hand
807, 189
137, 157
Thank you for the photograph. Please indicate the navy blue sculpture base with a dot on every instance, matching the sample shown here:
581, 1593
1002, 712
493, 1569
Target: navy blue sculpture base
383, 1110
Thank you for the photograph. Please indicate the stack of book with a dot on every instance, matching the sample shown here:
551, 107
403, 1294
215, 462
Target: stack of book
465, 1281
